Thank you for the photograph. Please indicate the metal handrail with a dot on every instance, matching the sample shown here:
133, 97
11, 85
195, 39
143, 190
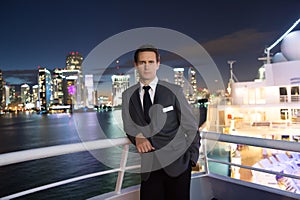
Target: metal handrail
254, 168
251, 141
59, 183
259, 142
45, 152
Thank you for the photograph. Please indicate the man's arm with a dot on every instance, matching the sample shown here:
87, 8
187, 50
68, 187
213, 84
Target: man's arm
189, 125
128, 125
142, 144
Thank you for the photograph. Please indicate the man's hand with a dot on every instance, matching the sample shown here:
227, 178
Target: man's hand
142, 144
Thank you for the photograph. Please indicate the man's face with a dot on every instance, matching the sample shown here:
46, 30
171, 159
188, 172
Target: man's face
147, 66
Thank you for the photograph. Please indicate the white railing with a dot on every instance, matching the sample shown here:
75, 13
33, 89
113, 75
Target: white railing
295, 98
34, 154
46, 152
283, 98
251, 141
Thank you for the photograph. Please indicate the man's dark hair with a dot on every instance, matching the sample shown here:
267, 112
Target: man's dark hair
146, 48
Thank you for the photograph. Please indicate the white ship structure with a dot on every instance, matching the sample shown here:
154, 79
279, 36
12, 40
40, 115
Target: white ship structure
269, 106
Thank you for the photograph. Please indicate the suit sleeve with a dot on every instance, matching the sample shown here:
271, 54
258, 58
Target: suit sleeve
129, 127
189, 126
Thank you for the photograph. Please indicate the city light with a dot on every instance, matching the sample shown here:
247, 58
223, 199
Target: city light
71, 89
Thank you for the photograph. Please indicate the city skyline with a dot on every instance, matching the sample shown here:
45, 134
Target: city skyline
40, 33
103, 84
67, 89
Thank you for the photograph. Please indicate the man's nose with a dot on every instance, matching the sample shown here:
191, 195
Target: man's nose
147, 65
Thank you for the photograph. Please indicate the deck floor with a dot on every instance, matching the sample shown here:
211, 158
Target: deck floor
250, 155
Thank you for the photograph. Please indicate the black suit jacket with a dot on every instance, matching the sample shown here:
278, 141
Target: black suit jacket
173, 130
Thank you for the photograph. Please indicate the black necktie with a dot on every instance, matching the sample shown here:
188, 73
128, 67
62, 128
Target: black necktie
147, 103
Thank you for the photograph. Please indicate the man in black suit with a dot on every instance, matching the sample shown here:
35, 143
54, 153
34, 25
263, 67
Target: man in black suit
159, 121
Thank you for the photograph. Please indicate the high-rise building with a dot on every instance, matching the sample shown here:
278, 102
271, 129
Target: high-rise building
35, 96
136, 75
179, 76
73, 88
74, 61
70, 91
58, 84
45, 89
119, 84
6, 96
104, 101
1, 91
89, 85
68, 88
95, 98
73, 84
12, 94
25, 94
193, 84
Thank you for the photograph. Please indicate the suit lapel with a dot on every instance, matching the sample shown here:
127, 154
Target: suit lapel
136, 102
157, 93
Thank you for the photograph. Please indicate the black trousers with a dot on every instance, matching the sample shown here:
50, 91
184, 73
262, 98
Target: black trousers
160, 186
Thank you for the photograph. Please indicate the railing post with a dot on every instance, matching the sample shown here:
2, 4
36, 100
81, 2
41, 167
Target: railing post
121, 172
204, 148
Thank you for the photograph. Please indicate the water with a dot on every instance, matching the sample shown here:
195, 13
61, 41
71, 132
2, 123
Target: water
27, 131
219, 152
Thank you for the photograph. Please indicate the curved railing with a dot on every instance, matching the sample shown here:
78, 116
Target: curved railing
46, 152
34, 154
256, 142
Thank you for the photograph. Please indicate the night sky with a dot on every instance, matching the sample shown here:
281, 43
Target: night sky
41, 33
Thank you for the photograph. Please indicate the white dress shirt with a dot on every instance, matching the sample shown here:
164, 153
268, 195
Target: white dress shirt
153, 85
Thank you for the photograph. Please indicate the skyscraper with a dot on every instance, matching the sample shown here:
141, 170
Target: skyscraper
74, 85
25, 94
70, 91
6, 99
58, 93
136, 75
12, 94
179, 76
74, 61
45, 92
119, 84
35, 96
193, 84
89, 85
1, 91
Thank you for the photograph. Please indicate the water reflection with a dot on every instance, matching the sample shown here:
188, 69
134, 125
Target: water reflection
27, 131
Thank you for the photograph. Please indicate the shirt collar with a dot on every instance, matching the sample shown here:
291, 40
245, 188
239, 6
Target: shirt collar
152, 84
